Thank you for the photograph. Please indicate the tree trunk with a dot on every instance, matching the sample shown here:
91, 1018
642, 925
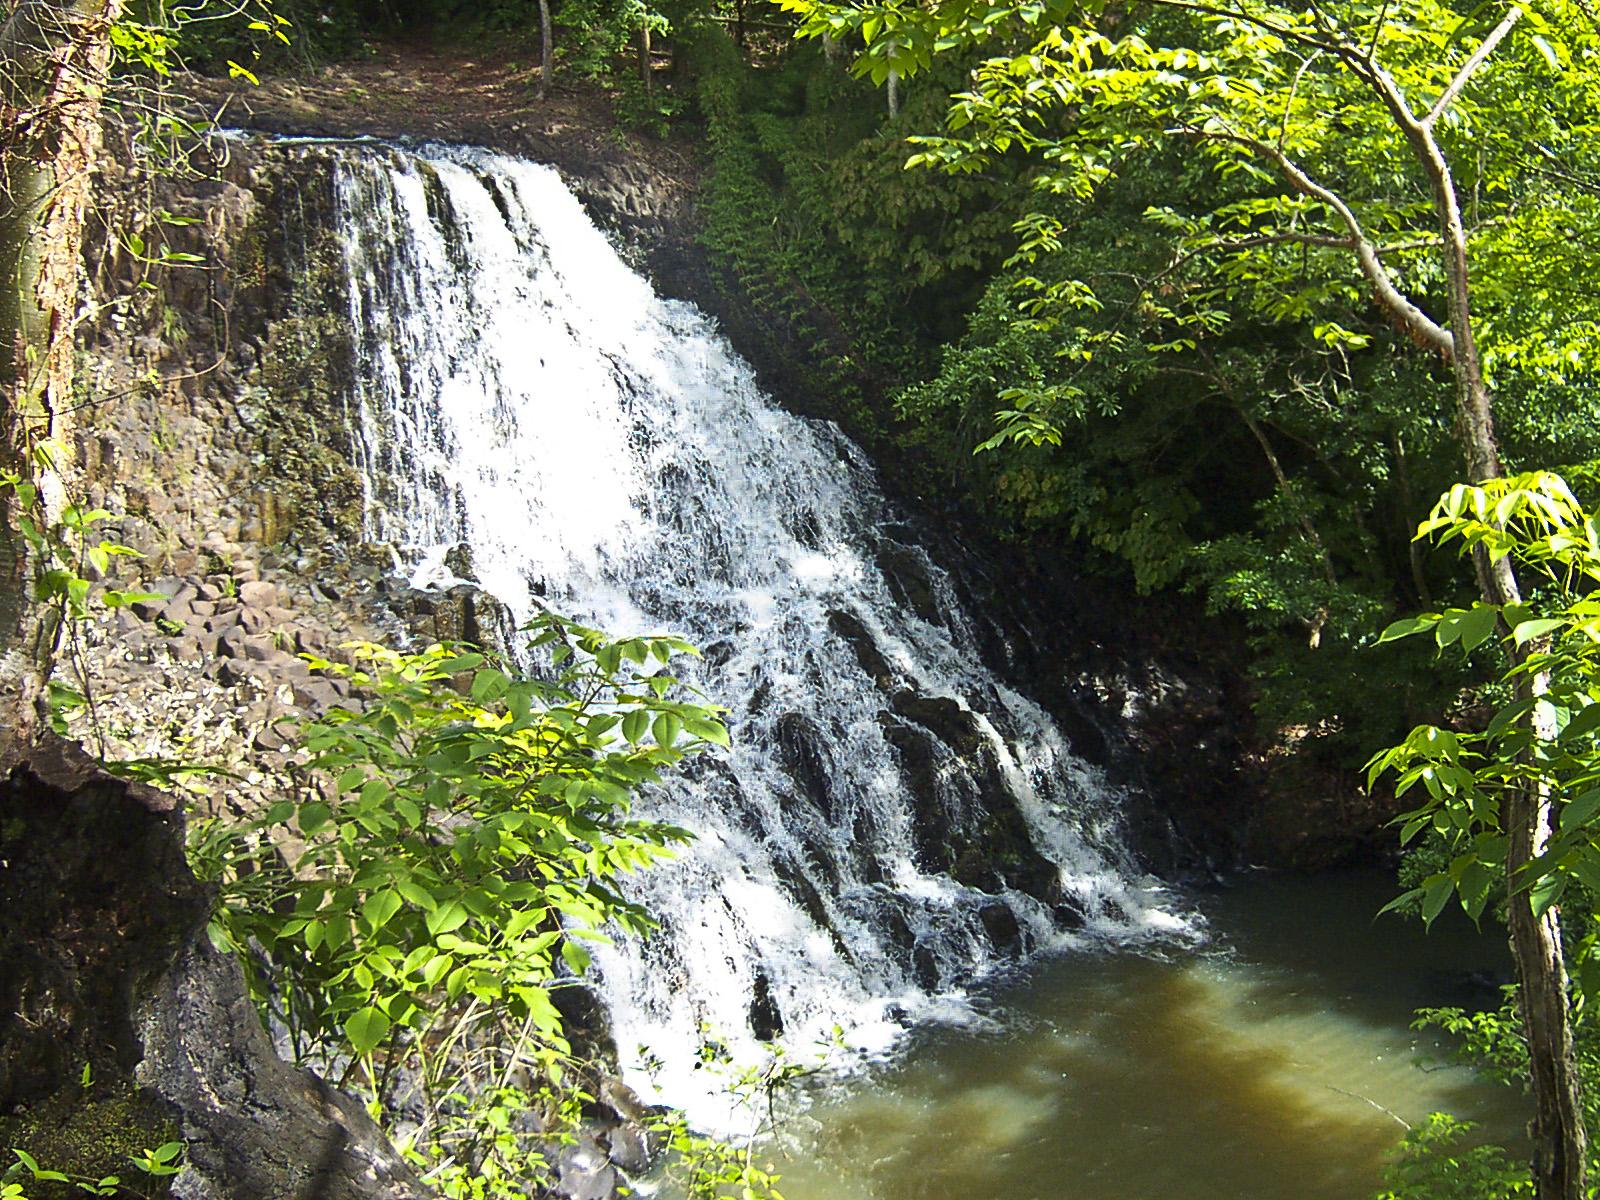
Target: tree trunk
1559, 1137
546, 49
646, 69
54, 59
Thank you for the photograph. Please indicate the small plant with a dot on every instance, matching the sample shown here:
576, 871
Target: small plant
158, 1163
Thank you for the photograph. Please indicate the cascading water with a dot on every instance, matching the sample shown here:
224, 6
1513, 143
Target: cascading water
893, 819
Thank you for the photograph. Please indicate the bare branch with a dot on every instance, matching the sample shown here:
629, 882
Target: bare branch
1473, 63
1419, 323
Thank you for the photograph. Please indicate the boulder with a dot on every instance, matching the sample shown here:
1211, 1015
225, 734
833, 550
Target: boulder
110, 979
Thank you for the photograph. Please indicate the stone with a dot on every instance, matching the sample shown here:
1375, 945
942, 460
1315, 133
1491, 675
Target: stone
232, 672
315, 695
584, 1172
1001, 924
258, 593
269, 738
630, 1147
260, 647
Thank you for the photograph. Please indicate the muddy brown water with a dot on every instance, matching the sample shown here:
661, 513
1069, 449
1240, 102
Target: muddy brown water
1278, 1063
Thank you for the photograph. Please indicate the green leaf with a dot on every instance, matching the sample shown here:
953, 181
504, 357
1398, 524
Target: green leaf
1477, 624
448, 916
635, 725
380, 908
366, 1029
575, 956
1436, 892
314, 817
1545, 892
1527, 631
1407, 628
666, 728
711, 731
489, 685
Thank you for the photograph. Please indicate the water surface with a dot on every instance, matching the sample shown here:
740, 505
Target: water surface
1276, 1065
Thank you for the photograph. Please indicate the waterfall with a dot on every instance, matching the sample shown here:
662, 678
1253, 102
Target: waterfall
893, 820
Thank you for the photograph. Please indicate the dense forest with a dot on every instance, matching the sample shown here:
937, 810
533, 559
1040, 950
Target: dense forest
1248, 340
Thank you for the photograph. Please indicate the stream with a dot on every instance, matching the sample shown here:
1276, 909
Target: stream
1276, 1064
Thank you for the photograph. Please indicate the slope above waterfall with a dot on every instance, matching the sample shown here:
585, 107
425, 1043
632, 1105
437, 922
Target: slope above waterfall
893, 819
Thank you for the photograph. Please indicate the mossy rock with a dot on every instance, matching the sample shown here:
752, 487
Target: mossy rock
92, 1135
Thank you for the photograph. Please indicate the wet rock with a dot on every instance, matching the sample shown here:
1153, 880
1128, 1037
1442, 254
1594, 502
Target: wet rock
859, 639
805, 758
1068, 915
586, 1022
906, 570
1001, 925
946, 719
766, 1020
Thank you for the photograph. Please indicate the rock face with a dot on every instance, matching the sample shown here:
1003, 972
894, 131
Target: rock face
122, 1028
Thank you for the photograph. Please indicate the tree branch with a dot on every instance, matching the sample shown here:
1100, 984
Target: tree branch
1473, 63
1418, 323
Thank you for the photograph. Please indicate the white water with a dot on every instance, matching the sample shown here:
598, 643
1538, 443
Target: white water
604, 451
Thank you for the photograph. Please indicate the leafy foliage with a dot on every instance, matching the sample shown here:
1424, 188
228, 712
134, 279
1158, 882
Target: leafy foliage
470, 841
1544, 739
1439, 1161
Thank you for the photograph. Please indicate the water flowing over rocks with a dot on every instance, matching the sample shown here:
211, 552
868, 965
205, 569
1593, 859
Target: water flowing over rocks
894, 820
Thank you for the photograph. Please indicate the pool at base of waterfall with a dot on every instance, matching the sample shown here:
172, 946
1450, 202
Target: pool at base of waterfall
1276, 1064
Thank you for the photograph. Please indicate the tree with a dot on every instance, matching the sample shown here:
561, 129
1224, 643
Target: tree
55, 56
1414, 154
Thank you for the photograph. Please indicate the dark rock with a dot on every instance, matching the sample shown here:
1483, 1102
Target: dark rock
859, 639
1001, 924
102, 929
766, 1020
